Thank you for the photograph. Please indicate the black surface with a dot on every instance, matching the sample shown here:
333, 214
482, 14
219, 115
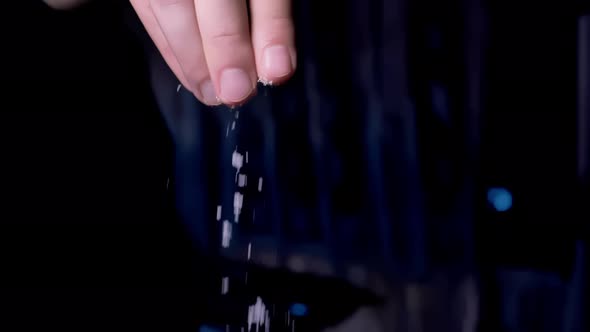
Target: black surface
529, 137
85, 153
88, 240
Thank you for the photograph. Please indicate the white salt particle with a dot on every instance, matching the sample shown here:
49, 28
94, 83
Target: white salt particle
246, 157
257, 314
178, 88
218, 212
242, 178
264, 81
238, 201
224, 285
250, 317
237, 160
259, 184
249, 250
226, 234
233, 125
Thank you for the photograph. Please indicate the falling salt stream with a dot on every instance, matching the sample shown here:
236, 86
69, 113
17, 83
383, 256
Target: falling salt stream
258, 315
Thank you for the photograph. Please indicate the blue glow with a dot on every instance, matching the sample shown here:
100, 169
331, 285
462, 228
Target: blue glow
500, 199
298, 309
205, 328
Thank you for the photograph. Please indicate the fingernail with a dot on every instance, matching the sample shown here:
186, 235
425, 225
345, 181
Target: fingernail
208, 93
277, 61
235, 85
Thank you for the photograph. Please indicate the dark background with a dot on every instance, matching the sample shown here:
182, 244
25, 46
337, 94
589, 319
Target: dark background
88, 240
529, 134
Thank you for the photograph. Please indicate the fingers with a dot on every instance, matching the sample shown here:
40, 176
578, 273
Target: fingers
225, 32
144, 11
178, 23
273, 39
208, 46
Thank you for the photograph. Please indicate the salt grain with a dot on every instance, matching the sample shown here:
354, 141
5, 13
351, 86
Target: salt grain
260, 184
242, 179
224, 285
218, 212
178, 88
264, 81
238, 203
257, 314
237, 160
233, 125
226, 234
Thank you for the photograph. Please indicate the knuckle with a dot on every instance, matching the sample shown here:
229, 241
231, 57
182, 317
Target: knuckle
226, 37
276, 30
281, 22
163, 3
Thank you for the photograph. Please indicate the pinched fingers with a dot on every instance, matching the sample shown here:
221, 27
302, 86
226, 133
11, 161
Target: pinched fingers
215, 50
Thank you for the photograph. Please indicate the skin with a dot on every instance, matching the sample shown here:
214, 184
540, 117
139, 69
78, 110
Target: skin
212, 47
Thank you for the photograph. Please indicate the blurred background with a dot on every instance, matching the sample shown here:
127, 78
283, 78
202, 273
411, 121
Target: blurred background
433, 146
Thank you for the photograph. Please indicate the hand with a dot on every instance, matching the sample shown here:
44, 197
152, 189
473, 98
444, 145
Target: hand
215, 50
